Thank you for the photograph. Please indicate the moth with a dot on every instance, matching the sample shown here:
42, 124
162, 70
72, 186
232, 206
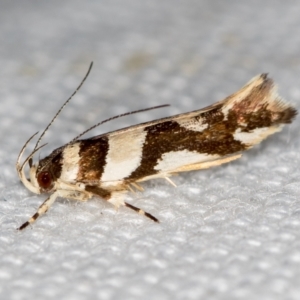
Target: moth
109, 165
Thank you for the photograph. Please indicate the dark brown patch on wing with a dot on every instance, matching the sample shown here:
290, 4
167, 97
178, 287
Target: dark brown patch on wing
285, 117
261, 108
92, 159
263, 117
211, 116
170, 136
97, 191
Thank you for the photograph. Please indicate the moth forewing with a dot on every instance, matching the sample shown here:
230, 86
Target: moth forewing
109, 165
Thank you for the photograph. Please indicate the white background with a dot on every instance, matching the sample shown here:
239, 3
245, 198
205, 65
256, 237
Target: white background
231, 232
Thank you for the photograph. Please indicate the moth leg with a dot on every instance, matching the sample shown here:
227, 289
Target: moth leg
170, 181
141, 212
41, 210
131, 189
137, 186
116, 198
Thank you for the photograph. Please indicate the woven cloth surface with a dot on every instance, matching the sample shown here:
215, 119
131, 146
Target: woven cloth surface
231, 232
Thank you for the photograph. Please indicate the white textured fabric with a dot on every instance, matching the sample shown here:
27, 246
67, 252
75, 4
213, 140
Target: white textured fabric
231, 232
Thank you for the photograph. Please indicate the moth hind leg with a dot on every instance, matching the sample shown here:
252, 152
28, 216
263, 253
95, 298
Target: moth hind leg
116, 198
141, 212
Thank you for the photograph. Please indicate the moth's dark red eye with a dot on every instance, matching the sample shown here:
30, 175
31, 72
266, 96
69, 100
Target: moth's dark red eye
44, 180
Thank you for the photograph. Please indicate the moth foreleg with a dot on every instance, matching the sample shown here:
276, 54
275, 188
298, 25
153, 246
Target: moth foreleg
41, 210
141, 212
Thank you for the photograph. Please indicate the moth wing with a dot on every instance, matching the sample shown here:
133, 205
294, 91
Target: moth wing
206, 164
199, 139
203, 164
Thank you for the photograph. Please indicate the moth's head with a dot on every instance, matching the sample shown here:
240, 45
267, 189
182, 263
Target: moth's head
47, 171
41, 178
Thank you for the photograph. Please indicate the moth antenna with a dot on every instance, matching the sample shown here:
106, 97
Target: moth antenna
30, 156
116, 117
22, 151
61, 108
20, 168
112, 118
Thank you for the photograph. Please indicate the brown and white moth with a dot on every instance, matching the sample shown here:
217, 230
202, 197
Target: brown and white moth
109, 165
